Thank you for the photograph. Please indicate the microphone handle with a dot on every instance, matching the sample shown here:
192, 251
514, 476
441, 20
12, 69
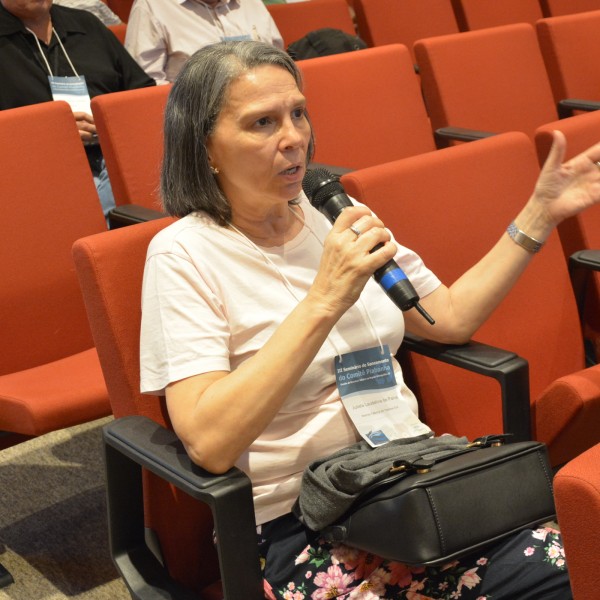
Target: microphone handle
390, 277
398, 287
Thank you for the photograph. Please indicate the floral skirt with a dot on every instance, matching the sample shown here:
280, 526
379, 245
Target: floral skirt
298, 566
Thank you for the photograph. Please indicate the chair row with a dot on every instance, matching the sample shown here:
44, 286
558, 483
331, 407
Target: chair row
380, 22
497, 79
493, 13
431, 201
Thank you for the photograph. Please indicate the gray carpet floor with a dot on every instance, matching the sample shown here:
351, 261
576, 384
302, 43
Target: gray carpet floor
53, 536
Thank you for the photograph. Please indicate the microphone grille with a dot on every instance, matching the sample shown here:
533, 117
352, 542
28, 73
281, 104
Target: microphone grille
317, 183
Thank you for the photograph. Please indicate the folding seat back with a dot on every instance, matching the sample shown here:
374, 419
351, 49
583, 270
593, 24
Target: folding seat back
114, 271
130, 130
381, 22
451, 206
478, 14
569, 45
297, 19
366, 107
581, 232
110, 271
577, 496
489, 80
49, 372
555, 8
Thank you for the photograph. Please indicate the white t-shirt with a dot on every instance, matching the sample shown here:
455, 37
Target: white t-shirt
212, 298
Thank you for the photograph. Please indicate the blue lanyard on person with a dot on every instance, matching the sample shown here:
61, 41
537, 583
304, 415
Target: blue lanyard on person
72, 90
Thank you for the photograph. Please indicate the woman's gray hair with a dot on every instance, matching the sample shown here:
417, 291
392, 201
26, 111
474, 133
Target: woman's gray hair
195, 101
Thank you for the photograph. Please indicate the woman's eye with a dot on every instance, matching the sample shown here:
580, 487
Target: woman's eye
298, 113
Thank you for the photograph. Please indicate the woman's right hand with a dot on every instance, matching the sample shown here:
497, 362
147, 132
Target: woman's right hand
347, 261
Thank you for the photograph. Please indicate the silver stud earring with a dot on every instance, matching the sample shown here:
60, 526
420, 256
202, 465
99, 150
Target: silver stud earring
214, 170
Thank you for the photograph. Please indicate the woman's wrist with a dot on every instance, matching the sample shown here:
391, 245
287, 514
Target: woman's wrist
533, 223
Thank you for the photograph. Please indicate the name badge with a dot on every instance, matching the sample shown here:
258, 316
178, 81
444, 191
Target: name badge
367, 385
72, 90
236, 38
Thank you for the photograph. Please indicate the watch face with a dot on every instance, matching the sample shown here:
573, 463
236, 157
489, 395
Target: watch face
522, 239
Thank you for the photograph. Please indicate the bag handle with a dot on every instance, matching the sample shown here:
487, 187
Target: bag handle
424, 465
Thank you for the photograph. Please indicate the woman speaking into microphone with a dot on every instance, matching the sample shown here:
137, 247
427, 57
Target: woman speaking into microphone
251, 296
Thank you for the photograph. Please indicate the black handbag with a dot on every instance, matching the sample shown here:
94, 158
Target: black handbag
428, 512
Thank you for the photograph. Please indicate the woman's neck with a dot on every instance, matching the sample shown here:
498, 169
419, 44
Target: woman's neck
273, 230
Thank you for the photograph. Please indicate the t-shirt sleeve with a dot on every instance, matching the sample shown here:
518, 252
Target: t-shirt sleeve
184, 328
422, 278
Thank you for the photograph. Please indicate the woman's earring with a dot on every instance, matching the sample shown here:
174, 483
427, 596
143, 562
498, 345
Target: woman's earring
214, 170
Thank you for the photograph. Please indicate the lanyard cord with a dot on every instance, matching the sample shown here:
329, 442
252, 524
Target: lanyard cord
289, 286
44, 56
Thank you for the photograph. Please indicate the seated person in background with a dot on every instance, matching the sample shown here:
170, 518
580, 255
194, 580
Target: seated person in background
43, 47
251, 294
162, 35
96, 7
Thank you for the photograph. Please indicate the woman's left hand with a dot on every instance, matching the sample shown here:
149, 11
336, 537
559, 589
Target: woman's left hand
565, 189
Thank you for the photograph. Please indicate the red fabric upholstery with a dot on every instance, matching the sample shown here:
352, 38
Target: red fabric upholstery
297, 19
120, 31
49, 372
366, 107
55, 395
569, 45
381, 22
450, 206
583, 231
577, 494
130, 130
478, 14
491, 80
555, 8
110, 268
120, 7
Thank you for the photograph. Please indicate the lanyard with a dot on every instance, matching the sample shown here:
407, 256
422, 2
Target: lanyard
44, 56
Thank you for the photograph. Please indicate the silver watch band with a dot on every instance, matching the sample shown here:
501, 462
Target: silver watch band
525, 241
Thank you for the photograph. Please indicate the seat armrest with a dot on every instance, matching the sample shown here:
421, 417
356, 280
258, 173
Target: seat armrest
510, 370
568, 106
588, 260
444, 135
135, 442
581, 266
130, 214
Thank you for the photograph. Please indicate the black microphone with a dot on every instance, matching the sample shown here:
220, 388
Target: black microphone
327, 194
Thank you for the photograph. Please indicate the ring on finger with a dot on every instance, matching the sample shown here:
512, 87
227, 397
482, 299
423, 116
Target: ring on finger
597, 163
357, 231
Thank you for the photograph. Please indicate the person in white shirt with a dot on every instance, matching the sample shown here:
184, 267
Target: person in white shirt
163, 34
